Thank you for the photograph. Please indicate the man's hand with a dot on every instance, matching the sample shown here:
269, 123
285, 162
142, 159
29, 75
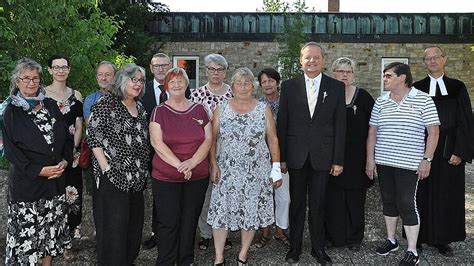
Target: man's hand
423, 169
336, 170
283, 167
455, 160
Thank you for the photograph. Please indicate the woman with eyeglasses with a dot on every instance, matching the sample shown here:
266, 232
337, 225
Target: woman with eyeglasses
118, 136
346, 193
180, 134
243, 148
69, 102
211, 95
403, 134
38, 147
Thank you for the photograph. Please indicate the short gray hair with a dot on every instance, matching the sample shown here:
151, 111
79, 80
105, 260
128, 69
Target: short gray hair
216, 58
161, 55
22, 65
343, 61
312, 44
240, 73
106, 63
119, 84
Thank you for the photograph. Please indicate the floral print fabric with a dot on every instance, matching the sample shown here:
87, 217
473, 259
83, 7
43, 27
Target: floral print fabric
210, 100
243, 198
35, 230
45, 124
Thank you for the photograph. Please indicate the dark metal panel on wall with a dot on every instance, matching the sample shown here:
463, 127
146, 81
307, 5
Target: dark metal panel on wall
331, 27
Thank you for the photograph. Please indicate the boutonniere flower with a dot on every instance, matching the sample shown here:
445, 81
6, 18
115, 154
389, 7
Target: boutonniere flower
355, 109
325, 94
199, 121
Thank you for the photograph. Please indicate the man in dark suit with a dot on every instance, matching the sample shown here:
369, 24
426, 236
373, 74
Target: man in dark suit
311, 131
440, 197
154, 95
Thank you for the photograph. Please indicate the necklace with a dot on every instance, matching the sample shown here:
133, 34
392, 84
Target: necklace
218, 91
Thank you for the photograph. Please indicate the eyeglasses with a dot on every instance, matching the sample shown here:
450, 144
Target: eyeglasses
389, 76
340, 71
28, 80
214, 70
135, 80
158, 66
58, 68
243, 84
436, 58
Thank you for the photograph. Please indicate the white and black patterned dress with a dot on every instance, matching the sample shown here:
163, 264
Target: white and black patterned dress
35, 228
243, 198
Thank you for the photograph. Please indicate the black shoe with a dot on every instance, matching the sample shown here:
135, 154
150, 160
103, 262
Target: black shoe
445, 250
150, 243
387, 247
409, 259
204, 243
241, 262
321, 256
291, 257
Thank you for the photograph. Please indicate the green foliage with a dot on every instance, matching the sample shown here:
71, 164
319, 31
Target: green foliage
134, 37
274, 6
292, 38
40, 28
121, 60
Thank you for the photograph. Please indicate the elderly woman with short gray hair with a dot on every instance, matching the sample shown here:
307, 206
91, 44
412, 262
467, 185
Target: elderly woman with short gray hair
213, 93
38, 147
346, 193
118, 136
244, 140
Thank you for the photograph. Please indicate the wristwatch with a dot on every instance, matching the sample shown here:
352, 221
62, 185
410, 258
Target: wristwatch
428, 159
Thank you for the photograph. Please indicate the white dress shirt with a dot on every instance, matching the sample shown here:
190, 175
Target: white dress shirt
312, 100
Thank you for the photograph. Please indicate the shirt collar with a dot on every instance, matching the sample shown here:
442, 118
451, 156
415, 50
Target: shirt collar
317, 79
412, 93
156, 84
442, 86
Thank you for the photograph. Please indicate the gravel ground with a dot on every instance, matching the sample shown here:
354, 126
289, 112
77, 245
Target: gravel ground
274, 252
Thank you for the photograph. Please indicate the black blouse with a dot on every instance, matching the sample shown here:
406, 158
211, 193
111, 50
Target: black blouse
28, 151
125, 142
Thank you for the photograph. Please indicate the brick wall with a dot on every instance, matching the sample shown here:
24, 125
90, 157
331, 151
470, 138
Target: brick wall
258, 55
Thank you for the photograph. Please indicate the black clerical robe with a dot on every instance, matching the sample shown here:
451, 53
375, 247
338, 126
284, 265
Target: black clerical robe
440, 197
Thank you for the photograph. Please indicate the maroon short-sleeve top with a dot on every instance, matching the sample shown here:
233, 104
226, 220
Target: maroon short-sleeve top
183, 132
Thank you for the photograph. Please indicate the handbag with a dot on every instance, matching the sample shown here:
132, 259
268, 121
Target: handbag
85, 157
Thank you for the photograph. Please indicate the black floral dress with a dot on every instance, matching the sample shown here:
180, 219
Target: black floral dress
71, 110
36, 228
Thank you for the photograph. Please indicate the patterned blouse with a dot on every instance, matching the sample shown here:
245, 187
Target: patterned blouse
210, 100
273, 106
125, 142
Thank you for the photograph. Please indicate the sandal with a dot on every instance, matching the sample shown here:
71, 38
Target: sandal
228, 244
283, 238
204, 243
262, 241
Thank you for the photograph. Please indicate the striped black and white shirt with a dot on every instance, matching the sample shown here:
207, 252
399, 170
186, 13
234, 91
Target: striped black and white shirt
401, 128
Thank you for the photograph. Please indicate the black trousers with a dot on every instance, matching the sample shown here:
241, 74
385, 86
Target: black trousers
345, 214
307, 183
179, 206
121, 224
398, 188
